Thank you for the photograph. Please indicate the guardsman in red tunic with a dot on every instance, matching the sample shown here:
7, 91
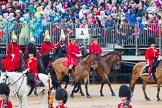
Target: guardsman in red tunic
47, 45
31, 68
73, 54
151, 55
125, 97
12, 61
63, 44
61, 98
94, 47
4, 95
62, 40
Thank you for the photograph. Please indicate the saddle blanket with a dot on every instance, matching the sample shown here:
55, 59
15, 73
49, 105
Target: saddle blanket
145, 69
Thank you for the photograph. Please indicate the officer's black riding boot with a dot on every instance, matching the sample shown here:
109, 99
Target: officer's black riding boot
69, 73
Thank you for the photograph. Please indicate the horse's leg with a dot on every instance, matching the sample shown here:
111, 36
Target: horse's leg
67, 81
109, 84
86, 87
81, 92
20, 101
135, 77
43, 99
158, 90
102, 84
144, 83
25, 100
72, 93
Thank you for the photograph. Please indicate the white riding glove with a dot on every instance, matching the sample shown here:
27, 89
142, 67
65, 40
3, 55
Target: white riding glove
159, 58
78, 55
13, 55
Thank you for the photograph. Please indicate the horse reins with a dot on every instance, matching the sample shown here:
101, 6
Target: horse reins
15, 81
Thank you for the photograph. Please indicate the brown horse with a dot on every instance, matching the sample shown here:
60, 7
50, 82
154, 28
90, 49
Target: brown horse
104, 68
136, 73
79, 72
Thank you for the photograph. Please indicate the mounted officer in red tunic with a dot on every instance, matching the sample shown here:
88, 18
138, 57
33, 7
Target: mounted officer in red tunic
47, 45
73, 54
95, 47
31, 68
12, 61
151, 55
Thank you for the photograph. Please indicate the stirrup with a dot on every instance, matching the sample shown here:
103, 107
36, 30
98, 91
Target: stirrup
150, 76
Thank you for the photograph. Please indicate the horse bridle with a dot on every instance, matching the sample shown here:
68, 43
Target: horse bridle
115, 63
6, 77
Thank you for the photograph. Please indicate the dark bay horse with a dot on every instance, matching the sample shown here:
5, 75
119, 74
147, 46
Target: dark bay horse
44, 60
79, 72
137, 72
104, 68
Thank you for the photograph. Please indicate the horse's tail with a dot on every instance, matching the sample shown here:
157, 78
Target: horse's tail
78, 87
54, 79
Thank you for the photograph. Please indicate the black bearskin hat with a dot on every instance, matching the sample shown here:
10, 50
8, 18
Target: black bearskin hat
151, 40
31, 48
61, 94
124, 91
4, 89
72, 37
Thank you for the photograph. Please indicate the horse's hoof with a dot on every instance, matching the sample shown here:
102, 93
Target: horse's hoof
82, 94
158, 99
113, 94
71, 95
148, 99
88, 96
101, 95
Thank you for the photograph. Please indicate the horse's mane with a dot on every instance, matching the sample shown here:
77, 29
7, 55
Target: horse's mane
110, 53
88, 54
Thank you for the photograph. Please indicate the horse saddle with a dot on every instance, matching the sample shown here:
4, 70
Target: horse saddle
146, 68
30, 78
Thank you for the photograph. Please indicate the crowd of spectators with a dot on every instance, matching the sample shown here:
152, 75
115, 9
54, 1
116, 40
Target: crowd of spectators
63, 14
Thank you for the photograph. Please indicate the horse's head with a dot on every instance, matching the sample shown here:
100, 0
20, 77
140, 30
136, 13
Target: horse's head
83, 50
4, 77
91, 59
113, 58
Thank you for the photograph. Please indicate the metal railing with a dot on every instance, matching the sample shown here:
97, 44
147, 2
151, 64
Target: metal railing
119, 35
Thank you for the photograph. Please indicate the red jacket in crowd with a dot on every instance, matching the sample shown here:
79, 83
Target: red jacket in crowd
46, 47
59, 44
95, 48
12, 61
73, 49
150, 54
2, 103
121, 105
32, 63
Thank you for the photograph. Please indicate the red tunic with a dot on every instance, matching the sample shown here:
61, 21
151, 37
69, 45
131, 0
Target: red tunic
95, 48
73, 49
61, 106
2, 103
122, 104
150, 54
59, 44
32, 63
12, 63
46, 47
